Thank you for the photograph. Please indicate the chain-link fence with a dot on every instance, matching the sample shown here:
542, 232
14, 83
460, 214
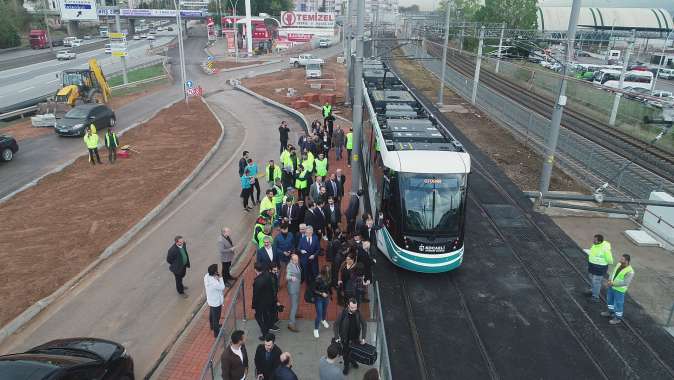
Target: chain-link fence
579, 157
235, 318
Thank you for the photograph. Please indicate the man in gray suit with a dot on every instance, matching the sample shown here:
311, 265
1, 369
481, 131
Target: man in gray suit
226, 250
294, 279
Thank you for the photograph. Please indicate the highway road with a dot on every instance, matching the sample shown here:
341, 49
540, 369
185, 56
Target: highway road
38, 79
28, 52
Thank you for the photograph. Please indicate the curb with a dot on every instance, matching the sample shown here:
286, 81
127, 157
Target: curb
69, 162
293, 112
28, 314
271, 62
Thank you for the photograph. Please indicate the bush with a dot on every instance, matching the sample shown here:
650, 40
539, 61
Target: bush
8, 36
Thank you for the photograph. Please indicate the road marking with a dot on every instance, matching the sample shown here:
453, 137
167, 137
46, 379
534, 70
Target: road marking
26, 89
53, 81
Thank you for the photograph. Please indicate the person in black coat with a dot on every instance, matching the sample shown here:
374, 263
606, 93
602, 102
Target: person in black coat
341, 180
331, 186
243, 162
267, 358
316, 218
179, 261
284, 371
264, 300
283, 132
291, 211
352, 212
333, 216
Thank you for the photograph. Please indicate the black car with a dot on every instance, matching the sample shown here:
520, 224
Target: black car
66, 359
8, 147
76, 121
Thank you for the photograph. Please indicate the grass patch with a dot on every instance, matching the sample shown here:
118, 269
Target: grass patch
133, 89
137, 74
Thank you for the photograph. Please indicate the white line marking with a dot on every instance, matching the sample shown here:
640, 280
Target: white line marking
26, 89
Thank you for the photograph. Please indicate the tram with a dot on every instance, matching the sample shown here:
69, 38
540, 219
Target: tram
416, 177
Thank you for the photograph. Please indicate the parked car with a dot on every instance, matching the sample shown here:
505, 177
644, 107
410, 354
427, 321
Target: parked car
324, 43
666, 73
151, 38
136, 37
87, 37
636, 93
170, 28
144, 35
76, 121
65, 54
8, 147
73, 358
108, 49
57, 42
313, 70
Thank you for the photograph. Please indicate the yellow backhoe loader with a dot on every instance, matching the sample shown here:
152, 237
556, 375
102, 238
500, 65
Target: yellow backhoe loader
78, 86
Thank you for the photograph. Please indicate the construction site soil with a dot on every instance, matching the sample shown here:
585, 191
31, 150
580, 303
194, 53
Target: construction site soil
232, 64
22, 129
54, 230
520, 163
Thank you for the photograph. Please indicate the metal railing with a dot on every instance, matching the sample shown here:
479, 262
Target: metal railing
235, 317
384, 364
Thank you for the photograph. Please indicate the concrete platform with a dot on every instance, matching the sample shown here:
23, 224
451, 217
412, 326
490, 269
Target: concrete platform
641, 238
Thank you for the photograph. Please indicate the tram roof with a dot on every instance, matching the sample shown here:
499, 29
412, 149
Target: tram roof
427, 161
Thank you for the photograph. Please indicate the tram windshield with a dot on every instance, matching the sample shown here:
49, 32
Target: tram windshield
431, 204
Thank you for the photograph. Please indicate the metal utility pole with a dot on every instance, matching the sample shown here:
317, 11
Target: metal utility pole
181, 52
347, 54
124, 69
441, 91
500, 47
556, 119
662, 61
249, 30
618, 94
476, 77
461, 41
357, 112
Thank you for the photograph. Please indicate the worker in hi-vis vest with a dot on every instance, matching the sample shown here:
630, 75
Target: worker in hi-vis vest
618, 282
349, 146
598, 260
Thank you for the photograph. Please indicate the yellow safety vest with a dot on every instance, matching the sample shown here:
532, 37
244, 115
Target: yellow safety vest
301, 181
278, 197
91, 141
327, 109
322, 167
308, 164
267, 204
620, 277
277, 173
349, 141
108, 140
600, 254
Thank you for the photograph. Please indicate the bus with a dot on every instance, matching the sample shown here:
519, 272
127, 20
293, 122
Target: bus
416, 175
634, 79
103, 31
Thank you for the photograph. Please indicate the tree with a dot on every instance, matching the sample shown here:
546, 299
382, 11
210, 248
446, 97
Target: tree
466, 8
9, 36
411, 9
517, 14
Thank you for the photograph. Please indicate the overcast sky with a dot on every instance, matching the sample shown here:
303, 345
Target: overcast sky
428, 5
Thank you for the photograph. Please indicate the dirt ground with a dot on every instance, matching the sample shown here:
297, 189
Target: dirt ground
275, 85
520, 162
22, 129
54, 230
231, 64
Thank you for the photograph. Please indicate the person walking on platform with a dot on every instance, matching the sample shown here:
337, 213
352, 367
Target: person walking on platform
320, 290
226, 250
284, 371
283, 132
301, 182
338, 141
267, 254
620, 280
268, 203
246, 189
264, 301
328, 367
310, 249
111, 143
349, 146
267, 358
350, 329
284, 245
179, 261
294, 279
214, 286
599, 259
91, 141
352, 211
327, 112
243, 162
234, 359
322, 166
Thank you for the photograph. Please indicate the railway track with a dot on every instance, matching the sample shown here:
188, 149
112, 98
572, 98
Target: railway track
652, 158
554, 267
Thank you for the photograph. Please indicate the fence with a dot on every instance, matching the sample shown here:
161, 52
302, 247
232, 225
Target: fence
235, 317
579, 157
377, 317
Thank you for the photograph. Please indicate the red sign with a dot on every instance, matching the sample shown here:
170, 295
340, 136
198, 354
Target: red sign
209, 21
230, 20
308, 19
195, 91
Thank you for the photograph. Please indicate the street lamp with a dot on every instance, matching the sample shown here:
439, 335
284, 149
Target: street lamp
181, 51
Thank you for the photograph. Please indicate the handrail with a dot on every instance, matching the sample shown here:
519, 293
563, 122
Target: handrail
384, 363
19, 112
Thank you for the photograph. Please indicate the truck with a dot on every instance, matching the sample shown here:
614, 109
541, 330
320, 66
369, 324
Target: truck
303, 59
313, 69
38, 39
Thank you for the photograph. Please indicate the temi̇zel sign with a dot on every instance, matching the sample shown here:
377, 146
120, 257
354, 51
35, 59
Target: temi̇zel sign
308, 19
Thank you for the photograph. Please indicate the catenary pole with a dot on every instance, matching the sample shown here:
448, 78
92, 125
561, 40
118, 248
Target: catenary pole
662, 61
441, 91
556, 119
357, 112
347, 54
124, 69
500, 47
618, 94
181, 52
478, 64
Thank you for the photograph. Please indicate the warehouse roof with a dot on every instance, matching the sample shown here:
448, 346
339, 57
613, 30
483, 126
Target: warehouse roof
552, 19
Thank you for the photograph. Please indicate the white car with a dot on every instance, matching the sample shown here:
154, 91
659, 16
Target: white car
65, 54
323, 43
108, 49
136, 37
144, 35
151, 37
76, 43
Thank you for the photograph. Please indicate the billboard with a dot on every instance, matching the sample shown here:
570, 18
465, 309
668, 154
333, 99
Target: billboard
307, 20
158, 13
84, 10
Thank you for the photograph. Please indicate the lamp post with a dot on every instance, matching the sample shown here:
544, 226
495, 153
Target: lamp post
181, 51
236, 30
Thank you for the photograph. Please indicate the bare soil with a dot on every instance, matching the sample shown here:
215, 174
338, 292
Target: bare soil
52, 231
23, 130
520, 163
275, 85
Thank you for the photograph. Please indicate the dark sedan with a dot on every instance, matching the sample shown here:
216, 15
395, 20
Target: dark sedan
8, 147
76, 121
74, 358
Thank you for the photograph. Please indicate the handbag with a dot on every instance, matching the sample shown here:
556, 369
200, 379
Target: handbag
364, 353
309, 295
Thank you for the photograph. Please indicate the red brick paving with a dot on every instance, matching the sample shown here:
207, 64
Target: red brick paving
190, 354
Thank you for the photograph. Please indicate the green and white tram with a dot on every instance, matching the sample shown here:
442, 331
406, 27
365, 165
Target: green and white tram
417, 178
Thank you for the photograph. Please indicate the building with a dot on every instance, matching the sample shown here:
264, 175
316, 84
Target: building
556, 19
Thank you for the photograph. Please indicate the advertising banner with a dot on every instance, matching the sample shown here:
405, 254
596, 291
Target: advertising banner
308, 19
229, 36
158, 13
78, 10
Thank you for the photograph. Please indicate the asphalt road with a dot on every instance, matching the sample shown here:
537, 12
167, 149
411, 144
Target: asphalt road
38, 79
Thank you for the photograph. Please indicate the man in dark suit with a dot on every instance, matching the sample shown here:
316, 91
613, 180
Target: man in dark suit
267, 358
291, 211
267, 254
310, 249
352, 212
333, 216
331, 186
234, 359
315, 217
341, 180
243, 162
179, 261
264, 300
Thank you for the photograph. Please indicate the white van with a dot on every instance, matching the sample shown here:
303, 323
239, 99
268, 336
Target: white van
313, 69
666, 73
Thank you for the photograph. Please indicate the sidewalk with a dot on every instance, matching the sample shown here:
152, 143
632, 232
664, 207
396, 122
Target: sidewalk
190, 354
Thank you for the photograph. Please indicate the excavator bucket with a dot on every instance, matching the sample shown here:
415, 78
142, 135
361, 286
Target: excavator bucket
100, 78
